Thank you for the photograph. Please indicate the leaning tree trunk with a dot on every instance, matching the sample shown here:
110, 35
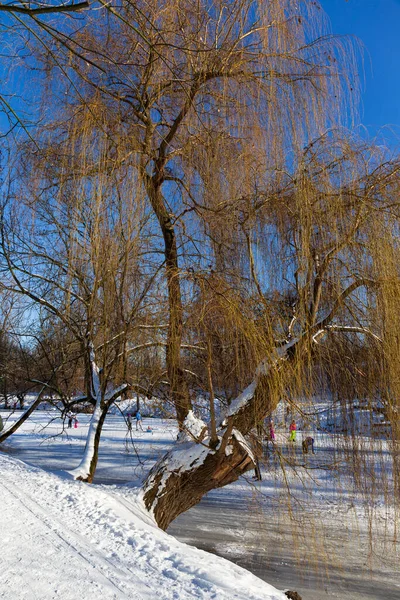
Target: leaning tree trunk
191, 470
194, 466
23, 417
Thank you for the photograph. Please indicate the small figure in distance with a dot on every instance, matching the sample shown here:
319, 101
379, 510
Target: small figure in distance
271, 431
138, 418
292, 430
76, 422
129, 421
149, 429
270, 437
309, 441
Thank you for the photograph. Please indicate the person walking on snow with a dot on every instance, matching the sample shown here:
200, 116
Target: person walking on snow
129, 422
138, 417
292, 430
309, 441
271, 431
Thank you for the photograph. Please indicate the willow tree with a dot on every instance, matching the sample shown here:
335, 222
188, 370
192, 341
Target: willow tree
69, 248
266, 238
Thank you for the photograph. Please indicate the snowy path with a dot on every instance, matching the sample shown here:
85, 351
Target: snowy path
63, 539
40, 538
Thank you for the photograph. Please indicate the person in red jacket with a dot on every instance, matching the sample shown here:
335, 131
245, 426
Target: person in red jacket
292, 430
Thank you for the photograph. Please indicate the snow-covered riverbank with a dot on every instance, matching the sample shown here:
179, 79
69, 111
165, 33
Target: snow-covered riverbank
66, 540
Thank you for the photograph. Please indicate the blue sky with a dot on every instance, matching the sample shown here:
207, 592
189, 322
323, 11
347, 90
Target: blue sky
377, 24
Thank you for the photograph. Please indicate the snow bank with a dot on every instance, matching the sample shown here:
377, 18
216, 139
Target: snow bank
65, 539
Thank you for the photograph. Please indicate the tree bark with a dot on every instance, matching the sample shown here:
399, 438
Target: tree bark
85, 471
87, 467
191, 469
179, 390
170, 492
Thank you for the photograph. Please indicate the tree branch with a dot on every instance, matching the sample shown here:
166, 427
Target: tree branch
42, 10
342, 297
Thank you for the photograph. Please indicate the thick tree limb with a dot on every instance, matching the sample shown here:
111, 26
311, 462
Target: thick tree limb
24, 416
362, 282
42, 10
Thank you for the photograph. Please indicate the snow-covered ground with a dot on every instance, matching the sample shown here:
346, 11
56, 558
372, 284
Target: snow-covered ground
60, 536
66, 540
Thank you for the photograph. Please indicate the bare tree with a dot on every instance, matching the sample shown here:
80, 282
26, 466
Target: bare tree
69, 247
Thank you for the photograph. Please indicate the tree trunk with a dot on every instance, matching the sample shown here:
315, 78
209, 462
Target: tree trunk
189, 471
87, 467
179, 390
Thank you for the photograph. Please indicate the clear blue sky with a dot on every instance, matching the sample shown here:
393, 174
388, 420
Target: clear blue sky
377, 24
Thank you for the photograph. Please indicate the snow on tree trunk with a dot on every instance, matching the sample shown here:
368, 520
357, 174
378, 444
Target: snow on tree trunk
86, 469
182, 477
192, 468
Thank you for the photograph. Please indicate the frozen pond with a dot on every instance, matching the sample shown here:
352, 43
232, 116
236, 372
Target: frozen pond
265, 547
